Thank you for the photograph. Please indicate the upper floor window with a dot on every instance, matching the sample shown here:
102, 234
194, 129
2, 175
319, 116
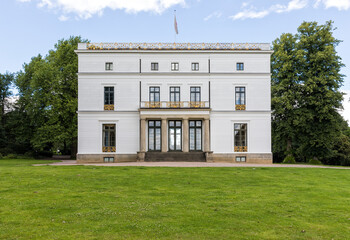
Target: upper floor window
195, 94
174, 66
154, 66
240, 95
109, 66
195, 66
154, 97
240, 137
240, 66
109, 98
174, 94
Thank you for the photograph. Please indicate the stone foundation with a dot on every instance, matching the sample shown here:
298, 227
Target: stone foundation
99, 158
263, 158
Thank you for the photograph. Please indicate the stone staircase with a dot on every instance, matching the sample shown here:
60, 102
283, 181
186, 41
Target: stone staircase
175, 157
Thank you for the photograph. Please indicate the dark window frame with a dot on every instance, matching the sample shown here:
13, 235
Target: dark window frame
195, 127
241, 93
174, 66
240, 66
152, 90
108, 95
175, 127
155, 127
111, 133
173, 92
238, 136
195, 66
154, 66
195, 91
109, 66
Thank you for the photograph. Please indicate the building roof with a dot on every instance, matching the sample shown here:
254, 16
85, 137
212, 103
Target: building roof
174, 46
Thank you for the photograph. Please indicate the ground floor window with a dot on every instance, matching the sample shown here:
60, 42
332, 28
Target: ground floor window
175, 135
195, 135
108, 138
240, 137
154, 135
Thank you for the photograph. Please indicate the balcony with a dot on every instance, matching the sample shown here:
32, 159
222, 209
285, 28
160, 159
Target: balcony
241, 148
240, 107
175, 105
108, 107
108, 149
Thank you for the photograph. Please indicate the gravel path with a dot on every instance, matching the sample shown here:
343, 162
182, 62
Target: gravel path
186, 164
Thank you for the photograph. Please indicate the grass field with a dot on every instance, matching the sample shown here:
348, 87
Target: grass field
89, 202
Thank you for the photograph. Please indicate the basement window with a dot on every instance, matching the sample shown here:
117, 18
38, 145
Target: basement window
108, 159
240, 159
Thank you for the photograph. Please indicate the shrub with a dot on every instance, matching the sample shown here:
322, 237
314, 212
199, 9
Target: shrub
315, 162
1, 156
289, 160
12, 156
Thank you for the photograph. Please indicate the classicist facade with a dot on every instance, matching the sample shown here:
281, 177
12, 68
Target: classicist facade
174, 102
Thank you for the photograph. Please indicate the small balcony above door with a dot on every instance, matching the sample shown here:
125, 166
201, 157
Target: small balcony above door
175, 105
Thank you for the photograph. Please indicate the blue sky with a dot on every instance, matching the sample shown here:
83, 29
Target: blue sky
30, 27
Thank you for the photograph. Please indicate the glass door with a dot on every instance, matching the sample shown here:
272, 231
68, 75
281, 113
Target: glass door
175, 135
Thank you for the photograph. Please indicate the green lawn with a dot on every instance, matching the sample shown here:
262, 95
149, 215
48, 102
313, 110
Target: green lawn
89, 202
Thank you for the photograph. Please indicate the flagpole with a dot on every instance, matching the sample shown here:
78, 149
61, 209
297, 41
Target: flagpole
174, 23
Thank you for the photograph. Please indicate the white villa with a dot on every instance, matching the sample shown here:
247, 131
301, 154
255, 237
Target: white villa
174, 102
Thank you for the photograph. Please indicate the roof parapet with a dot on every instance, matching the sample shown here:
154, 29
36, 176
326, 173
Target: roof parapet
174, 46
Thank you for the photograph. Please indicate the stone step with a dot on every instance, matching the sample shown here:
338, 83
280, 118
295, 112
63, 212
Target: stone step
175, 157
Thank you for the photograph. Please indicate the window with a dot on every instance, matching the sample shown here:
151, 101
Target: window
240, 98
175, 135
108, 98
154, 66
108, 159
154, 97
154, 135
195, 66
240, 137
174, 94
195, 94
195, 135
109, 66
240, 66
174, 66
240, 159
108, 138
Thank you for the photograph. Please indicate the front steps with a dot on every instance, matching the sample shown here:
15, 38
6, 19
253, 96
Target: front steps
175, 157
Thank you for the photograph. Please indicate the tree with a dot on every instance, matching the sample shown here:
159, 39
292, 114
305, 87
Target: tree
305, 91
5, 92
48, 90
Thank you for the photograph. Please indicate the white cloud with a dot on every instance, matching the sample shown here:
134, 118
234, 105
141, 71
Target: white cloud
85, 9
250, 14
215, 14
292, 5
63, 18
340, 4
249, 11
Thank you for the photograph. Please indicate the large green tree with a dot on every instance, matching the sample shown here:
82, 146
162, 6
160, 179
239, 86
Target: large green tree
306, 95
5, 92
48, 89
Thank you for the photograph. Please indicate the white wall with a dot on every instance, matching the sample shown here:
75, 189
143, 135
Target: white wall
90, 132
222, 131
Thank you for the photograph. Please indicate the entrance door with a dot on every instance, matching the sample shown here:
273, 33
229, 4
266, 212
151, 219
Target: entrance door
175, 135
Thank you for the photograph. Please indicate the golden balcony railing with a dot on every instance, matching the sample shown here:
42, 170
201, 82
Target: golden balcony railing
197, 104
108, 149
152, 104
240, 107
241, 148
108, 107
175, 104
